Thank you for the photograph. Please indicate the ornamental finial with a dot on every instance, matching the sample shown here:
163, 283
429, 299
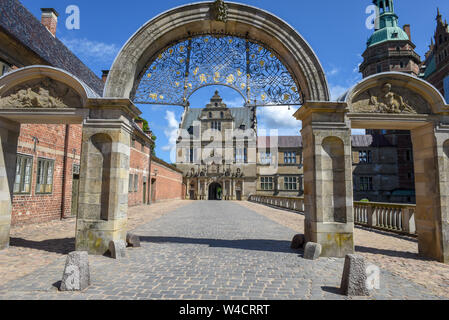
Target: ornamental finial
220, 11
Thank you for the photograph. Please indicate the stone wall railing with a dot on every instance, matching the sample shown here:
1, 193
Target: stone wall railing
290, 203
385, 216
388, 216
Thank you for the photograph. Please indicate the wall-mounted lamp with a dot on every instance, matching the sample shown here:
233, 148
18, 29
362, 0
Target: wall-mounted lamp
36, 141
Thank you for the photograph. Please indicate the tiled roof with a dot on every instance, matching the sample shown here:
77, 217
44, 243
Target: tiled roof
358, 141
19, 23
280, 142
240, 115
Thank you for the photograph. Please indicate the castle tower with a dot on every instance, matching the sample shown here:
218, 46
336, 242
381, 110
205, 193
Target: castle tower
436, 67
390, 47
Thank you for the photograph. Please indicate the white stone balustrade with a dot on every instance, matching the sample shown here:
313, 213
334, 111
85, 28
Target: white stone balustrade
386, 216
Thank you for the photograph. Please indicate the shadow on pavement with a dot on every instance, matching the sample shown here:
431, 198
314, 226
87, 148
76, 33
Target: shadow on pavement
61, 246
245, 244
390, 253
332, 290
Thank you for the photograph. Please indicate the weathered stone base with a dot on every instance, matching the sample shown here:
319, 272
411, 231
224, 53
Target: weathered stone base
336, 239
94, 236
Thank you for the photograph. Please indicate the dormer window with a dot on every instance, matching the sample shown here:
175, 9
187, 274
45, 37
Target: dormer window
210, 115
394, 35
216, 104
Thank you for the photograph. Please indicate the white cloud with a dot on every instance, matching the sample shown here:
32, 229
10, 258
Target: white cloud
171, 132
91, 49
236, 103
279, 118
333, 72
336, 91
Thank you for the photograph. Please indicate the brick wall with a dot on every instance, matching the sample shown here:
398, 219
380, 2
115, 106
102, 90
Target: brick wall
139, 165
62, 144
167, 184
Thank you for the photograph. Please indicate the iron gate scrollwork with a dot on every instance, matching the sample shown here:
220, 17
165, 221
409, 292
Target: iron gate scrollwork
246, 66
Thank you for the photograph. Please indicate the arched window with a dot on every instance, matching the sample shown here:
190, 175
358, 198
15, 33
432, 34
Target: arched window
222, 114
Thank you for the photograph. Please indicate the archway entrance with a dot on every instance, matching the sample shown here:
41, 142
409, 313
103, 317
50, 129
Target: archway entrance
179, 38
47, 95
392, 101
206, 44
215, 191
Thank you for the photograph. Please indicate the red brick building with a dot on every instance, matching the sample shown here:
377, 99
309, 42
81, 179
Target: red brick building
48, 156
166, 181
435, 68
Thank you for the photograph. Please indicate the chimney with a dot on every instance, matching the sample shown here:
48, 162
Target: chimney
104, 75
49, 19
407, 31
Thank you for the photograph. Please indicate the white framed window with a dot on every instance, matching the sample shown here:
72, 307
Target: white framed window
290, 183
265, 158
241, 155
24, 169
365, 156
266, 183
290, 157
44, 177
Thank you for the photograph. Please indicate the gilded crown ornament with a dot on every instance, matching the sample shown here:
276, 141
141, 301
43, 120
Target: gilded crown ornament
220, 11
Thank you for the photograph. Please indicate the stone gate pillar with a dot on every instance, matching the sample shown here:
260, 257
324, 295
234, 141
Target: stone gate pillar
104, 176
431, 156
328, 190
9, 134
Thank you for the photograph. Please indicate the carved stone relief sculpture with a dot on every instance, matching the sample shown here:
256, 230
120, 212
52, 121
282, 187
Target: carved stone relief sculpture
387, 99
42, 93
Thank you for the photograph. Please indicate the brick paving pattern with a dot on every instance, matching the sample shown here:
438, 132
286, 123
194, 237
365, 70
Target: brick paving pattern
395, 253
209, 250
35, 246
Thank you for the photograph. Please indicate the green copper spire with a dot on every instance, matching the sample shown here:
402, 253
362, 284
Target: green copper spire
387, 28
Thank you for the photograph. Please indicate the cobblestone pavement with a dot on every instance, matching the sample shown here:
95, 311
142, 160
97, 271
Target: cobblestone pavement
395, 253
35, 246
209, 250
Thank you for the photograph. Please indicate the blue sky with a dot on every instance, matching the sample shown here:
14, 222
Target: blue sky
335, 30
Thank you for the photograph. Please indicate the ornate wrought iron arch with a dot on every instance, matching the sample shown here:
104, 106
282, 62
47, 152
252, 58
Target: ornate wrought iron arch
245, 65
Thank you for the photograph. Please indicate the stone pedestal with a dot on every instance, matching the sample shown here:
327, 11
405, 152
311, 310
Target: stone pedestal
327, 178
104, 177
9, 134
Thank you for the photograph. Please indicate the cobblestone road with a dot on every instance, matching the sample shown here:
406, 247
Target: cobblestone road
209, 250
